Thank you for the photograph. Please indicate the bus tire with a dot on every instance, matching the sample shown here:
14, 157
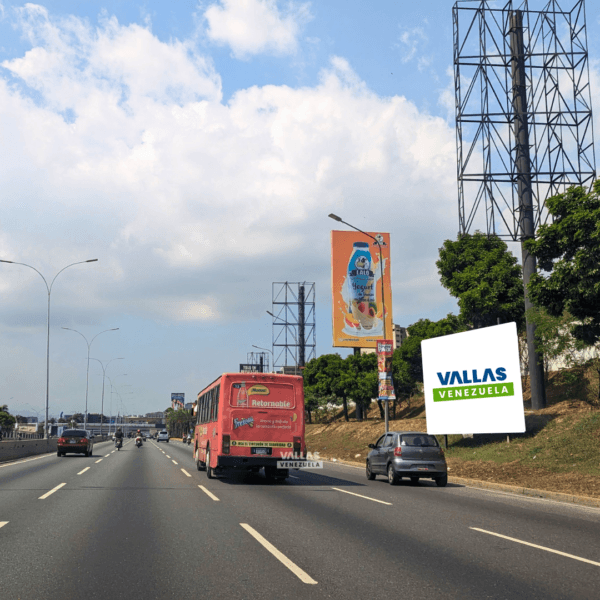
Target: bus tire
270, 473
209, 470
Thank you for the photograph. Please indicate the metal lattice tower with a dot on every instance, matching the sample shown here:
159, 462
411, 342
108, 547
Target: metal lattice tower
557, 111
294, 331
261, 359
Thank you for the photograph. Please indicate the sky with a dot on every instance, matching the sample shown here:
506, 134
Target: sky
195, 149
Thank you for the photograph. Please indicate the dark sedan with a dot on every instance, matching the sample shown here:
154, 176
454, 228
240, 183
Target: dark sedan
410, 454
76, 441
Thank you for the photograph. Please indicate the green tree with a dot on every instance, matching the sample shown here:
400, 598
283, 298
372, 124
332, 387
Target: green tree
569, 250
360, 381
322, 382
7, 421
486, 279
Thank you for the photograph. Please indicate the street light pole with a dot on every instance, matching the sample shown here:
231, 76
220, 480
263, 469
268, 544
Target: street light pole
111, 389
87, 376
103, 377
49, 288
336, 218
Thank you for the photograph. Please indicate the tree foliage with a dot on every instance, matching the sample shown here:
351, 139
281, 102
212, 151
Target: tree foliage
485, 277
569, 250
7, 421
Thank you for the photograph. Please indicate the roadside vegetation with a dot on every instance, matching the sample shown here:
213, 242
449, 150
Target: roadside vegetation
561, 448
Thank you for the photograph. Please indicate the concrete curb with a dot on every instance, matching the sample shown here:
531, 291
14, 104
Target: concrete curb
503, 487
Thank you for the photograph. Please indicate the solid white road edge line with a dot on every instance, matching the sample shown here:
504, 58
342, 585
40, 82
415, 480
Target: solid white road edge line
10, 464
294, 568
209, 494
361, 496
52, 491
3, 523
185, 472
591, 562
80, 472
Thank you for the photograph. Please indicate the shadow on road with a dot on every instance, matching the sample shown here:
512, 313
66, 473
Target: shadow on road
297, 478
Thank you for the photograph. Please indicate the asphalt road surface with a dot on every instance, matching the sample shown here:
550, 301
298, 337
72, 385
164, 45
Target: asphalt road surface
143, 523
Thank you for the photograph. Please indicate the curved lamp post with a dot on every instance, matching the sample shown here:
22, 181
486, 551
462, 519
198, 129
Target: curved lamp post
87, 376
49, 288
111, 393
336, 218
103, 377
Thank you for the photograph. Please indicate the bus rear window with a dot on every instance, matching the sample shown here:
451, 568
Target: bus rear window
248, 394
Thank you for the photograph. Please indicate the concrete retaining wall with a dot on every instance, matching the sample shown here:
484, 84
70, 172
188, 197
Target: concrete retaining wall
12, 449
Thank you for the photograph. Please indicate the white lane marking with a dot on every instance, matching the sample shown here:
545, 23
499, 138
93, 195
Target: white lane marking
28, 460
175, 463
293, 567
99, 460
591, 562
3, 523
168, 456
185, 471
51, 491
361, 496
107, 455
80, 472
111, 452
209, 494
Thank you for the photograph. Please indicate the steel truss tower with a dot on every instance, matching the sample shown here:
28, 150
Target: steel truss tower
557, 110
523, 123
260, 359
294, 336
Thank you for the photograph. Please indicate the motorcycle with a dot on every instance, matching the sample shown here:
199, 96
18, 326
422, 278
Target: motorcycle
138, 441
119, 443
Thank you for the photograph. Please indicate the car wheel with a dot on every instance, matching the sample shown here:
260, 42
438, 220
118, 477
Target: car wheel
392, 477
370, 474
269, 473
209, 470
414, 480
442, 481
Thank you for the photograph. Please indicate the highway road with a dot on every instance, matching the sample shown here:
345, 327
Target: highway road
144, 523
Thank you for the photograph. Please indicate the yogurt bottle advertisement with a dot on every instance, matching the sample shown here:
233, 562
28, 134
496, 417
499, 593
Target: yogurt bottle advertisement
356, 275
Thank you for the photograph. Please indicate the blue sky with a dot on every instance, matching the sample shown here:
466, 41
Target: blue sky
195, 149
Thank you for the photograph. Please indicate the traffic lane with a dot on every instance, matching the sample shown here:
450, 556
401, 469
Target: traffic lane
568, 528
23, 482
410, 544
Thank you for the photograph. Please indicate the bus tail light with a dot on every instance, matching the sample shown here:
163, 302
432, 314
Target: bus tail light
297, 446
398, 451
226, 444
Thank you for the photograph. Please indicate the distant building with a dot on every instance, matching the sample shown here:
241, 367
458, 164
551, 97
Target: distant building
400, 334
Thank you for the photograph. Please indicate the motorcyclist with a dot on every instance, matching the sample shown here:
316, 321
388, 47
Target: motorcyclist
118, 437
138, 434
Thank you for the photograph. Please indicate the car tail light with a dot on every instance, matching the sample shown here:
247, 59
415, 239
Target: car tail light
398, 451
226, 444
297, 446
61, 440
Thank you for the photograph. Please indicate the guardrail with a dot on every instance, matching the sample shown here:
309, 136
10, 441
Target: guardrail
11, 434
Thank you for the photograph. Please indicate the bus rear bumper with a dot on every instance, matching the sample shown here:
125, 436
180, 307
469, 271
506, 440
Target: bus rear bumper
247, 462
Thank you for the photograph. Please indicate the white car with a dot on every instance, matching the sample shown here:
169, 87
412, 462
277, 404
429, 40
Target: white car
163, 436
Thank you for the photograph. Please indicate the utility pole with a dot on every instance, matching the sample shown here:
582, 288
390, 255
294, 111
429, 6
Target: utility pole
526, 219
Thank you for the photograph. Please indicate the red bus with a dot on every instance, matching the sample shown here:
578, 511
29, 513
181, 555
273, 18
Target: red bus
249, 421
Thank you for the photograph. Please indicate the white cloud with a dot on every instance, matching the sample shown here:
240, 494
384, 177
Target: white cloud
194, 207
256, 26
411, 41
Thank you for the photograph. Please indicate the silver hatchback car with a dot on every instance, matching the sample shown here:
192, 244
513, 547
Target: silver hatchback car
410, 454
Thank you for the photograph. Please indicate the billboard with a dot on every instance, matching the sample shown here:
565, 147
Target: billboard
385, 349
177, 401
472, 382
356, 287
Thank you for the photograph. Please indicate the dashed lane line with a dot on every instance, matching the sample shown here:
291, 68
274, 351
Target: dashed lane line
52, 491
175, 463
361, 496
20, 462
99, 460
505, 537
186, 473
168, 456
107, 455
3, 523
82, 472
293, 567
209, 494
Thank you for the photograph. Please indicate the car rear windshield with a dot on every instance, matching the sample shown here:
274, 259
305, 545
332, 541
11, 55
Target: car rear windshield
163, 433
417, 439
74, 433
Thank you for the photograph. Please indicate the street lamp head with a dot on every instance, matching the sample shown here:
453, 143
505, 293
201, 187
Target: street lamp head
7, 261
334, 217
92, 260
